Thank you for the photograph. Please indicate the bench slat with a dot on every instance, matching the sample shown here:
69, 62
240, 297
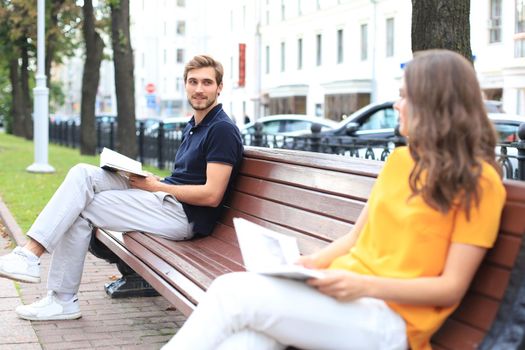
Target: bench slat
313, 224
458, 336
325, 204
334, 162
174, 296
491, 281
307, 244
477, 310
324, 181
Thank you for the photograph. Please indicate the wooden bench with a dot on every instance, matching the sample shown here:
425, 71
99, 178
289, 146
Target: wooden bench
317, 198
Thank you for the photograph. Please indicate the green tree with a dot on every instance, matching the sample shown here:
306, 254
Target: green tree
441, 24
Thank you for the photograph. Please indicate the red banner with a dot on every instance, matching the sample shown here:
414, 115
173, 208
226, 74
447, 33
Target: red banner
242, 65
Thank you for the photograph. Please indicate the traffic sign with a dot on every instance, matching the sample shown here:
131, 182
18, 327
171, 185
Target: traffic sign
150, 88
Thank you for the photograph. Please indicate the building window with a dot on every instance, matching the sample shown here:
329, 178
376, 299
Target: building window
283, 11
267, 59
364, 42
389, 37
181, 27
165, 56
300, 53
319, 49
340, 46
180, 55
299, 9
519, 37
181, 3
231, 67
283, 56
495, 21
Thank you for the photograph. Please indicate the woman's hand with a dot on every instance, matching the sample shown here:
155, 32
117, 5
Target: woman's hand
341, 285
312, 261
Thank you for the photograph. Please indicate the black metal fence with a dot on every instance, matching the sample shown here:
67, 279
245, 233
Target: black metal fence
159, 148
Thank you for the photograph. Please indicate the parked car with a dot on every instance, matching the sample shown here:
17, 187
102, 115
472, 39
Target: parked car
173, 127
288, 124
507, 126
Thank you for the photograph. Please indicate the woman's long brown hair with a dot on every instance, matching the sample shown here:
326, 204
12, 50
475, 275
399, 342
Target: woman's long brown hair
449, 131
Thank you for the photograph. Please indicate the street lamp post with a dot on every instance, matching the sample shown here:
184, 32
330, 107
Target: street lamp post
41, 103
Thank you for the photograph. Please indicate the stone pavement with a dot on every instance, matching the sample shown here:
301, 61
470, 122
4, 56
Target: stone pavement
131, 323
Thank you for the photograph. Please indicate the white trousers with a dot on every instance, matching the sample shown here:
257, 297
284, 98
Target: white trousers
249, 311
90, 196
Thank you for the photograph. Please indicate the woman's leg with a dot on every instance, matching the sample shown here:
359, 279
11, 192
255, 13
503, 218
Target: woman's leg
291, 313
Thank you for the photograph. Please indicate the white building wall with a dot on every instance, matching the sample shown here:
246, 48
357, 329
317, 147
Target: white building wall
218, 27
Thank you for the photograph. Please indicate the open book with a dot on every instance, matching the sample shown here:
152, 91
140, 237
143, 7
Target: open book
267, 252
114, 161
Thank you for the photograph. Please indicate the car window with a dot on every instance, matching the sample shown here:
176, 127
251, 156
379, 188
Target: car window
272, 127
382, 119
506, 132
297, 125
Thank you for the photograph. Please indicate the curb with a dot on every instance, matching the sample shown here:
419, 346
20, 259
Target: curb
14, 231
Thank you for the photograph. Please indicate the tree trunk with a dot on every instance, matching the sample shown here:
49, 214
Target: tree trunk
17, 103
124, 82
441, 24
90, 80
56, 5
26, 95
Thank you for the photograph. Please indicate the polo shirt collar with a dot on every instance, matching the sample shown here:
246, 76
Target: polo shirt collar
209, 118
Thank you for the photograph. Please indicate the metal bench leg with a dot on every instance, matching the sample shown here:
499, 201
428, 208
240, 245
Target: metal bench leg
130, 284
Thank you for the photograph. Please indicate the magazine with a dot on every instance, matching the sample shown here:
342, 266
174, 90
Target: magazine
114, 161
270, 253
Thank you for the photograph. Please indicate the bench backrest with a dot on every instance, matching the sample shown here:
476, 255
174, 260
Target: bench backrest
317, 198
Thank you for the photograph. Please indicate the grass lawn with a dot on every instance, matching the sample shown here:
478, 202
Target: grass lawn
25, 194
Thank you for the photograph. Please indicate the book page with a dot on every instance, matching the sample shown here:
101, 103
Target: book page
115, 161
268, 252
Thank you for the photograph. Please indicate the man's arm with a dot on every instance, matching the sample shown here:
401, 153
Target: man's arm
209, 195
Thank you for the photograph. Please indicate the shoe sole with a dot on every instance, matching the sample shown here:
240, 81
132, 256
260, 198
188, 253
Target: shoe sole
20, 278
61, 317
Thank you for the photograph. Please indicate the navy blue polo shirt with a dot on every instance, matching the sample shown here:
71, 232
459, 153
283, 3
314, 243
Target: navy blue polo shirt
215, 139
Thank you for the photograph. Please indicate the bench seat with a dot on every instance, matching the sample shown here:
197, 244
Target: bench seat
317, 198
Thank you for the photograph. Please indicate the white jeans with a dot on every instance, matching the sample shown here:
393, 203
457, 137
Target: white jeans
249, 311
90, 196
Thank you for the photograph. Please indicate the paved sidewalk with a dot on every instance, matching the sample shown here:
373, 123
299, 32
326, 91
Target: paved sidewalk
132, 323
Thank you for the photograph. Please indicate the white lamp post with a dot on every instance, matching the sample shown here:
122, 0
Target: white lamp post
41, 102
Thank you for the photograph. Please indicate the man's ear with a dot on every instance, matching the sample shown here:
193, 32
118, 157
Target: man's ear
219, 89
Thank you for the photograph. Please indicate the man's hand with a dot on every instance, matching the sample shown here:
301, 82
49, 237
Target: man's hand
341, 285
148, 183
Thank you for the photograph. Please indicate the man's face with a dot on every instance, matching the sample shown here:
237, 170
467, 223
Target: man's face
201, 88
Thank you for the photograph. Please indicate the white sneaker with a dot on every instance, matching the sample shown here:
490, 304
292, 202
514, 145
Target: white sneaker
18, 266
50, 308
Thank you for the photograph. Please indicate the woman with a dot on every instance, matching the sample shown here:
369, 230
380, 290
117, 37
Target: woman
392, 281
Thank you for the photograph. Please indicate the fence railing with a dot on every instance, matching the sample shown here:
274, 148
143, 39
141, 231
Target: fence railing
159, 148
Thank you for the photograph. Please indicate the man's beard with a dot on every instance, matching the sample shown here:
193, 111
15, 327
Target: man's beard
202, 108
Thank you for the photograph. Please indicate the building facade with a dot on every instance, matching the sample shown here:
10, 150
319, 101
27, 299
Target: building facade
323, 58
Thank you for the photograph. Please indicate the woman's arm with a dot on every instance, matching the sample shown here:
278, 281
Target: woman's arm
445, 290
341, 246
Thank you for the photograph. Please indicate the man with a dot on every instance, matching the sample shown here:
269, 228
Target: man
180, 207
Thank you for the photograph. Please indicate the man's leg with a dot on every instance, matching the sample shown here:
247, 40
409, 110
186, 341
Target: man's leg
129, 210
74, 194
291, 313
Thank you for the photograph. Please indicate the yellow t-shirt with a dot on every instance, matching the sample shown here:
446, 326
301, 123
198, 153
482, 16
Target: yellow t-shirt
406, 238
